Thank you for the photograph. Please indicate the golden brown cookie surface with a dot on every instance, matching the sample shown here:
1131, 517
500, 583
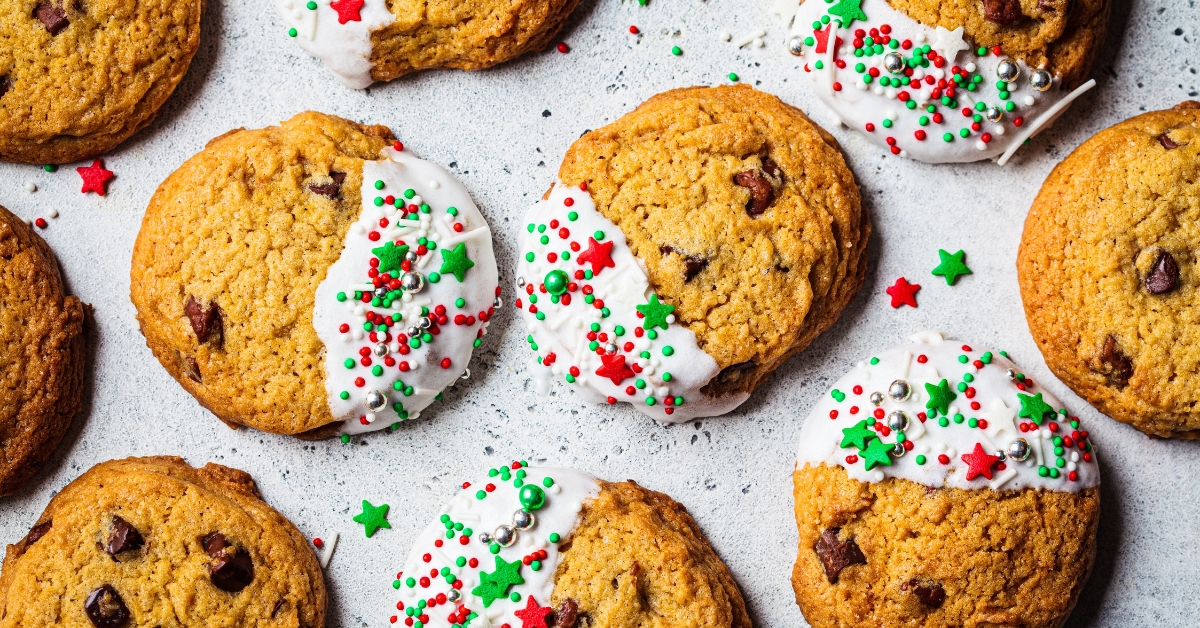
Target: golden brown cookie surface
245, 231
896, 553
78, 78
1107, 269
744, 214
42, 353
155, 542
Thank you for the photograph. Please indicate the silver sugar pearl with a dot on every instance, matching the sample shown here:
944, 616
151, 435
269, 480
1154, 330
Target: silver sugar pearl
898, 420
876, 398
1008, 70
424, 322
485, 538
452, 595
412, 281
505, 535
1001, 455
497, 302
411, 256
523, 520
380, 292
465, 374
893, 62
995, 114
1011, 374
898, 450
414, 331
795, 46
375, 400
1041, 80
381, 349
610, 348
520, 283
899, 390
1019, 449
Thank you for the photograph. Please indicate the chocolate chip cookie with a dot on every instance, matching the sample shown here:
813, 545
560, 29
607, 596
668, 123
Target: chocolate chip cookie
155, 542
324, 281
362, 41
78, 78
1108, 273
42, 353
534, 547
688, 249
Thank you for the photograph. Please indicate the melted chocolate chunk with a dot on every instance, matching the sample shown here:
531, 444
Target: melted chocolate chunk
762, 194
191, 368
567, 614
230, 569
52, 17
37, 532
1116, 365
931, 595
1165, 275
1002, 12
1167, 142
837, 555
331, 190
693, 264
124, 537
105, 608
206, 322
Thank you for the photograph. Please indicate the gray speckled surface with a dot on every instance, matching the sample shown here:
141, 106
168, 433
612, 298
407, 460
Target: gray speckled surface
494, 131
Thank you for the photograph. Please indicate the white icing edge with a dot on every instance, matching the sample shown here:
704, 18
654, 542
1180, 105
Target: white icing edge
560, 515
400, 171
1045, 120
622, 288
344, 48
820, 437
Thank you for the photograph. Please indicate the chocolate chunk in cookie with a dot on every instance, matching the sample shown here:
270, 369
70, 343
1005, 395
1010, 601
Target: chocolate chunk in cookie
52, 17
836, 554
105, 608
206, 321
332, 189
123, 537
1165, 275
1002, 12
230, 569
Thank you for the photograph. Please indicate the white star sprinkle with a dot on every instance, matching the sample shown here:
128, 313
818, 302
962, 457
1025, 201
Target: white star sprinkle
950, 43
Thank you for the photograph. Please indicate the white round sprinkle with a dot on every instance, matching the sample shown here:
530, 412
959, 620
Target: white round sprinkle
53, 213
725, 36
30, 187
434, 184
758, 42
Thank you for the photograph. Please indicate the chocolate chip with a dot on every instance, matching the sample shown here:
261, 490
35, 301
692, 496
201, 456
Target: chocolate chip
772, 170
332, 190
230, 569
124, 537
1002, 12
693, 264
1167, 142
931, 595
105, 608
761, 192
666, 249
191, 368
1165, 275
5, 84
52, 17
206, 322
37, 532
837, 555
567, 614
1116, 365
733, 372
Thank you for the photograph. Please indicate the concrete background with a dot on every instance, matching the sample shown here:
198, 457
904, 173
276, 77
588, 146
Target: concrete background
503, 132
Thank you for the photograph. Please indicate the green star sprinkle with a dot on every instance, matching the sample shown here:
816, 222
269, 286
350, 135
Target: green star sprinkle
857, 436
390, 256
494, 586
1033, 408
373, 518
848, 10
877, 453
456, 261
656, 313
951, 266
940, 396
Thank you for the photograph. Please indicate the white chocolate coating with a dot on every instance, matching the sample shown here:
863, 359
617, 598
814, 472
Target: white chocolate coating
991, 395
344, 48
420, 369
670, 365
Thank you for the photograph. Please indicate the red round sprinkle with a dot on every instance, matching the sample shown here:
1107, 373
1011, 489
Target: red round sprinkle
562, 47
633, 30
41, 223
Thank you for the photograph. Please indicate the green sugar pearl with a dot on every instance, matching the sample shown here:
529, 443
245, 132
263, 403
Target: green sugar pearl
349, 363
733, 78
572, 216
668, 350
341, 297
920, 459
676, 50
291, 33
554, 537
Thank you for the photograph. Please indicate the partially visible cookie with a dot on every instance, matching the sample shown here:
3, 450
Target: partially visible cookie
42, 353
1108, 272
313, 278
78, 78
561, 549
689, 249
155, 542
938, 486
363, 41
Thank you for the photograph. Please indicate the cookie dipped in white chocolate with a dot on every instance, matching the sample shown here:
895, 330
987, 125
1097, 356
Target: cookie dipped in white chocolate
338, 33
919, 91
407, 302
594, 321
944, 414
491, 555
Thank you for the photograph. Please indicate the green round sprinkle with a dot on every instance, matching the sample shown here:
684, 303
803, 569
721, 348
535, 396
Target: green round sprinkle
668, 350
676, 50
291, 33
948, 137
554, 537
349, 363
345, 438
344, 394
52, 167
943, 422
666, 376
733, 78
920, 459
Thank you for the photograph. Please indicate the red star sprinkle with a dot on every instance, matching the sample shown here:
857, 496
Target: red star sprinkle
979, 462
598, 255
614, 368
347, 10
95, 177
533, 616
904, 293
